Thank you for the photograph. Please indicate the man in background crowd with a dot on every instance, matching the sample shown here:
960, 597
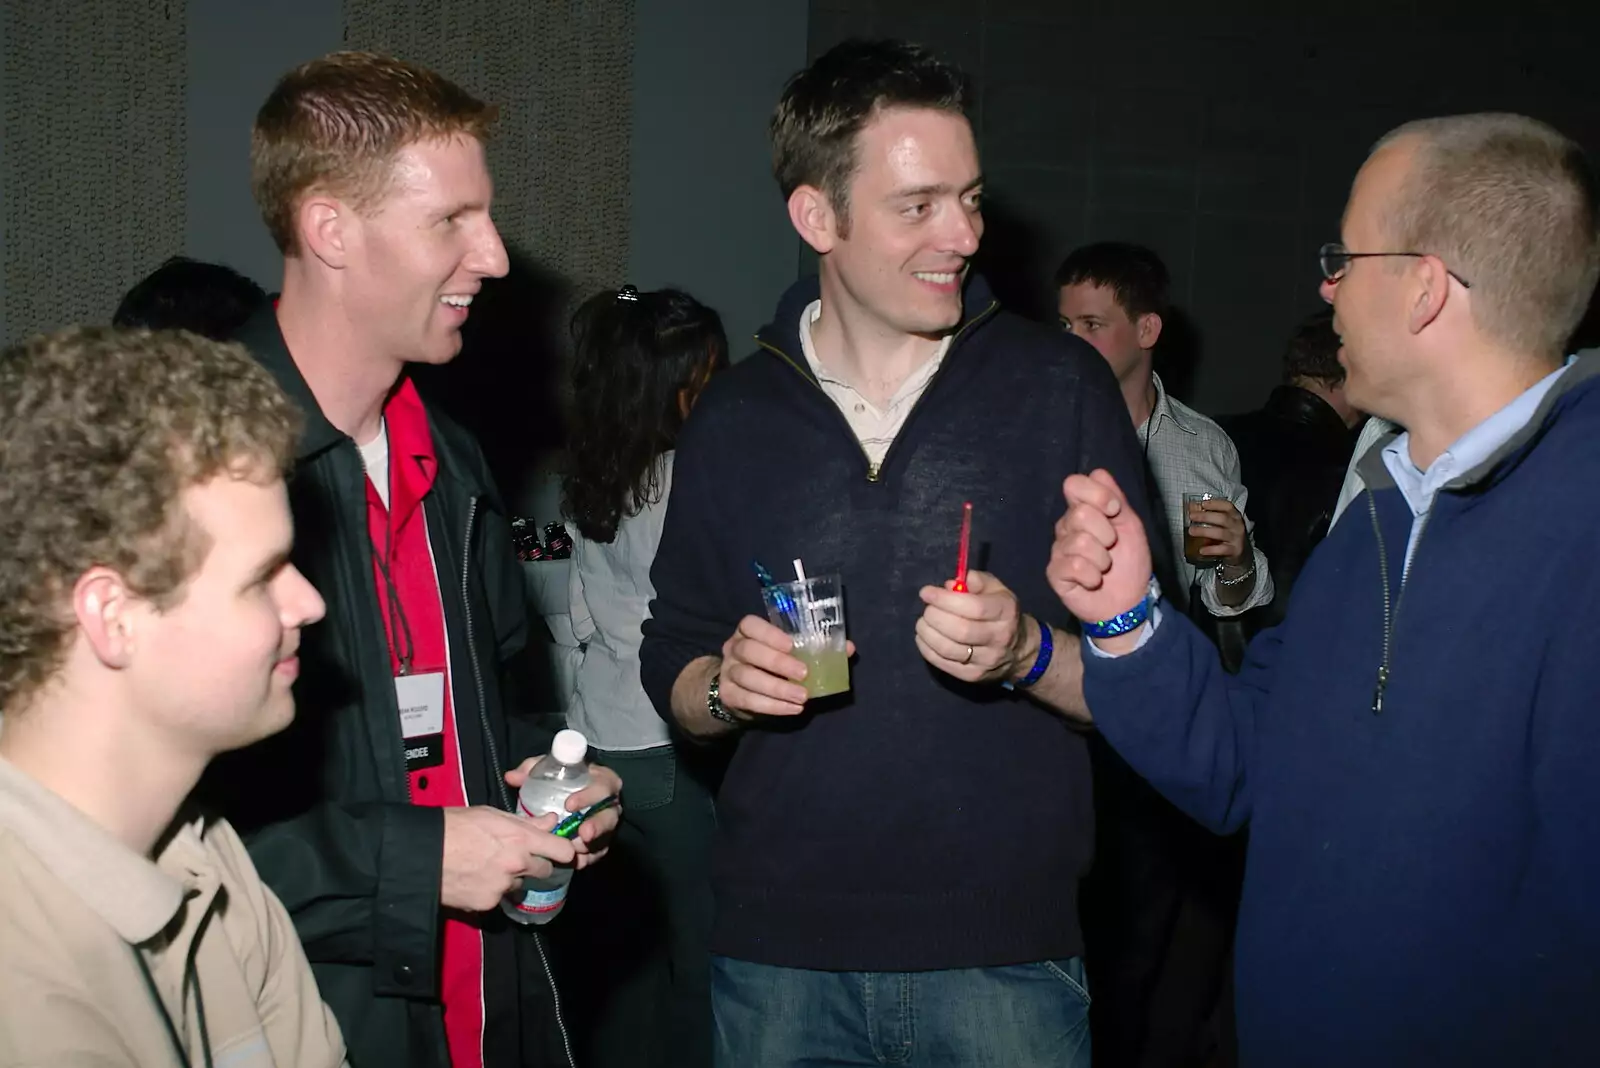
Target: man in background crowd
1293, 453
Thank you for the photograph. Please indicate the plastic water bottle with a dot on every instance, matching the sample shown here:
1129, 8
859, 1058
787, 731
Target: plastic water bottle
555, 778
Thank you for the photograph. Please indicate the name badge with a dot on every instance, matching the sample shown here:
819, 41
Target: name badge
421, 701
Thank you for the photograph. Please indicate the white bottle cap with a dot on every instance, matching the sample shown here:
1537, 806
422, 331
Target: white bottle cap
569, 747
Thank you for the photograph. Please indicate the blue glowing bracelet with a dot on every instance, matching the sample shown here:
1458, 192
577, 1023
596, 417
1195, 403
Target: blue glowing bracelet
1123, 622
1041, 663
1047, 646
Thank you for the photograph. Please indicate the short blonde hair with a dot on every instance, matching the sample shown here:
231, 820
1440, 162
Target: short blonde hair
1509, 204
336, 124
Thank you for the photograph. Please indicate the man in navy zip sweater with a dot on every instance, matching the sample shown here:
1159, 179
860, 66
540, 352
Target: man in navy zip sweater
1415, 748
897, 868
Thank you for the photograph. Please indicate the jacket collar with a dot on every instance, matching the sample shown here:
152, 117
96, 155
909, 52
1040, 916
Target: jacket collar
1297, 405
782, 335
1583, 367
262, 336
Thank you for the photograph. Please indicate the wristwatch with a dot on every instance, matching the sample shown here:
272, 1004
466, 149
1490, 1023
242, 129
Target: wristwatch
714, 703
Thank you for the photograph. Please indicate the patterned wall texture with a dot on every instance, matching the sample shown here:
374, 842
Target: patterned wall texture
94, 134
559, 69
1224, 136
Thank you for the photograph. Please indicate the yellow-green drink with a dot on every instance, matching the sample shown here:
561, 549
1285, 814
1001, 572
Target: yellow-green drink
827, 670
811, 612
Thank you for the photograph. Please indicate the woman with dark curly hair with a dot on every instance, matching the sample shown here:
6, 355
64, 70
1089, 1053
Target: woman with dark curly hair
640, 361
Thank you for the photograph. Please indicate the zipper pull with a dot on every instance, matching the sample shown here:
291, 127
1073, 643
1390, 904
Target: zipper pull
1377, 695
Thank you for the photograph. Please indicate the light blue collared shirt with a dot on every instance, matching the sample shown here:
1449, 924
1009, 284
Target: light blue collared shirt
1419, 487
1471, 449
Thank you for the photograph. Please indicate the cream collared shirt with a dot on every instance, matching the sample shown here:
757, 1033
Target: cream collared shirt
875, 428
76, 905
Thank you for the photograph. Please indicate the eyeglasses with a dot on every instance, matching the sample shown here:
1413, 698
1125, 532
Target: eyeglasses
1335, 259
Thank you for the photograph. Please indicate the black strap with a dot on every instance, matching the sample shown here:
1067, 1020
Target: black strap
399, 626
161, 1007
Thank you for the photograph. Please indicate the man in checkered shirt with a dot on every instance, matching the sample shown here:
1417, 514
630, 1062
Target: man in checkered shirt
1113, 295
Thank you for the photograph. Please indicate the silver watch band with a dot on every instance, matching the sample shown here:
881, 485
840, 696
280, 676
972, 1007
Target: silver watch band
714, 702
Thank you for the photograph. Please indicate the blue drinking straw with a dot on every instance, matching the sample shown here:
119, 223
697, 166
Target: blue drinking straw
780, 596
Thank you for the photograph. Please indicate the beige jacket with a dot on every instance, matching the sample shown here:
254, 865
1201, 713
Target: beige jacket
235, 988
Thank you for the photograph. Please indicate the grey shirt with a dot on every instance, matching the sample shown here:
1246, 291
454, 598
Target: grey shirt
609, 593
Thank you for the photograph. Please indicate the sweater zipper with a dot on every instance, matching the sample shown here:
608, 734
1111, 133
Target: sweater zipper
1391, 611
495, 767
875, 470
872, 468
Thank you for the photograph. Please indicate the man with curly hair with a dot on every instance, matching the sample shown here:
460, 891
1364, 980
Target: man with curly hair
149, 620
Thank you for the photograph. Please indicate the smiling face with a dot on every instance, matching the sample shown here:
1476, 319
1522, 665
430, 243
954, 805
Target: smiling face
418, 257
214, 670
915, 220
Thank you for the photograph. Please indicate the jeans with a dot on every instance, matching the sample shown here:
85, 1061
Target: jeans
1021, 1016
632, 939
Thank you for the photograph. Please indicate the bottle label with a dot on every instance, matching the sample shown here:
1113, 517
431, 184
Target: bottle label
527, 813
536, 902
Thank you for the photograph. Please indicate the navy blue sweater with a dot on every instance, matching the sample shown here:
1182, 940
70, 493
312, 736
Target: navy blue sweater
1423, 884
918, 822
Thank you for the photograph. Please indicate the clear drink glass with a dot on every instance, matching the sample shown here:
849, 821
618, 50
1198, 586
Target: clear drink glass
811, 612
1192, 542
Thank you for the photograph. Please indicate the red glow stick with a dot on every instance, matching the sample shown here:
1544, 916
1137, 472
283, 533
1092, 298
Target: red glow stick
961, 554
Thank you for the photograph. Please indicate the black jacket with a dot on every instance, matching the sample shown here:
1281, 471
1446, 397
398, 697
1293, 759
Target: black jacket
917, 822
1293, 454
324, 806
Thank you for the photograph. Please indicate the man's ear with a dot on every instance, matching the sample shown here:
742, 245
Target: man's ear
1149, 330
1430, 295
107, 613
325, 226
814, 219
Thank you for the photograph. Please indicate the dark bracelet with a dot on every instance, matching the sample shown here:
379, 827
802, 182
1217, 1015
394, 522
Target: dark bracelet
1041, 663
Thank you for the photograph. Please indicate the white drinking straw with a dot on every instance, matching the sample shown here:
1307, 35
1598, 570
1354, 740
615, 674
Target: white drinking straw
810, 619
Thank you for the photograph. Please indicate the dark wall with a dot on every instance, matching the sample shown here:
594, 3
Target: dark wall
706, 214
1225, 142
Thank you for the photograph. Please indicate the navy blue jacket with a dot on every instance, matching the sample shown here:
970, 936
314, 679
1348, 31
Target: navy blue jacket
1423, 882
918, 822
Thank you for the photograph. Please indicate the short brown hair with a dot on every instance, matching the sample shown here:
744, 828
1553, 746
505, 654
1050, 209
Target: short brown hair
824, 107
336, 124
101, 430
1509, 204
1313, 352
1135, 275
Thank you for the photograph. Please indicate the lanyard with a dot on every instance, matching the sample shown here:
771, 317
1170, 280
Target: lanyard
166, 1017
399, 627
